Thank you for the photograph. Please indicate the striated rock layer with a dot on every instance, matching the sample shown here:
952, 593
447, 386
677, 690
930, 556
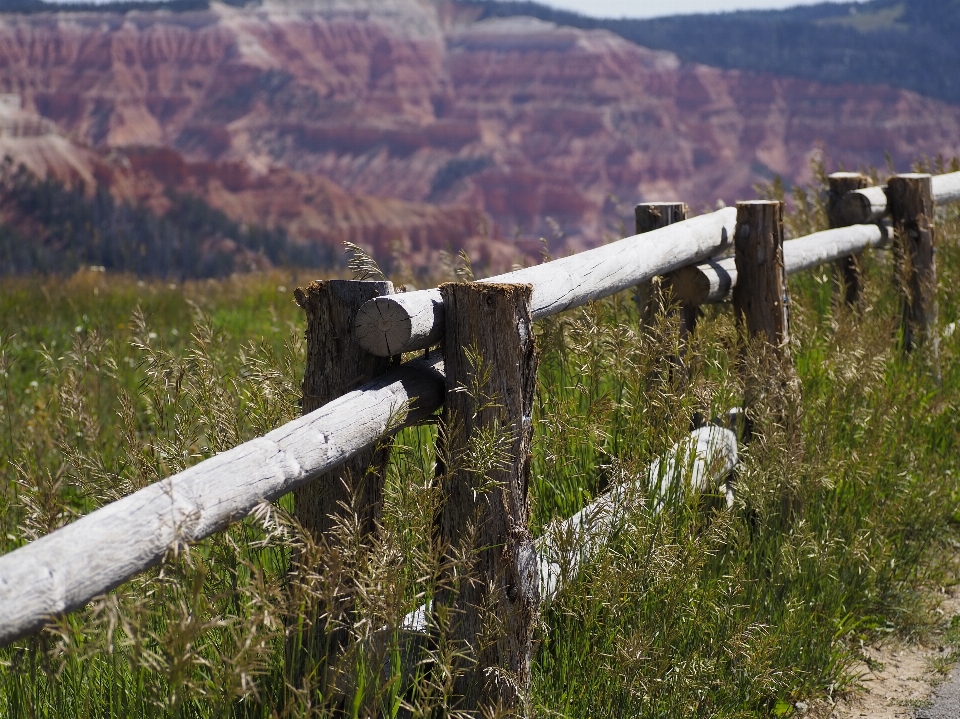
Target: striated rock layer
515, 118
310, 208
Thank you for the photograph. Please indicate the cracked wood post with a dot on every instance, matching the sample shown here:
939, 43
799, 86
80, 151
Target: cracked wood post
760, 295
761, 305
652, 216
848, 269
336, 365
486, 510
910, 198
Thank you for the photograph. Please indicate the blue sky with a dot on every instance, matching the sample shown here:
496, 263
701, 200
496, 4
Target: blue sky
653, 8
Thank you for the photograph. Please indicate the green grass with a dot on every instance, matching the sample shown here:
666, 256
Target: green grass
845, 495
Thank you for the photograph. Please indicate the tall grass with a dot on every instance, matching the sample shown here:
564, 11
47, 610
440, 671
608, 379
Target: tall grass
843, 498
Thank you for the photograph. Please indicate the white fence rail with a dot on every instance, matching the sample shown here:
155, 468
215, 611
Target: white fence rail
870, 204
713, 281
413, 321
67, 568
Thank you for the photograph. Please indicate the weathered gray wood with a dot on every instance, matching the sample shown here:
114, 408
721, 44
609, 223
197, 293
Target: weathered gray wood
713, 281
848, 268
760, 295
697, 464
913, 210
870, 204
414, 320
946, 188
486, 512
336, 364
652, 216
67, 568
863, 206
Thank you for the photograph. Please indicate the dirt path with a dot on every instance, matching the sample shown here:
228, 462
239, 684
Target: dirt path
901, 681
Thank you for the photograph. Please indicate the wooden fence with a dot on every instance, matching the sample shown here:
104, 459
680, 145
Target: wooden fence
356, 396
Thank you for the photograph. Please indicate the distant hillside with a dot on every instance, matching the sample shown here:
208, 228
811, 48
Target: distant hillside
911, 44
415, 127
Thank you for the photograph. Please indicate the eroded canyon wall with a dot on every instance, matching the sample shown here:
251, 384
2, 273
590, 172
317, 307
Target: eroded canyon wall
515, 118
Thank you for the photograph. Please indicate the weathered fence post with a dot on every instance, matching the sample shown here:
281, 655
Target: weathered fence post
760, 295
491, 369
652, 216
335, 365
910, 198
848, 269
761, 303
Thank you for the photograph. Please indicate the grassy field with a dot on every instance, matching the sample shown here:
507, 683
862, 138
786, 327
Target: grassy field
846, 499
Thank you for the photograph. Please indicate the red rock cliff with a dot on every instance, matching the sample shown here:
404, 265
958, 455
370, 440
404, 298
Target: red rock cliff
395, 98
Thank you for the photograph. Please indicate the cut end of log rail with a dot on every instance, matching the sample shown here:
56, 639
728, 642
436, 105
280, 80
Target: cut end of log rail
400, 323
863, 206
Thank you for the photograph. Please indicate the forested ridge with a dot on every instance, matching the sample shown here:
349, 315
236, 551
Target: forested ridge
48, 227
911, 44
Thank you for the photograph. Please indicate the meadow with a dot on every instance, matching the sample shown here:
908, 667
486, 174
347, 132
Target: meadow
842, 529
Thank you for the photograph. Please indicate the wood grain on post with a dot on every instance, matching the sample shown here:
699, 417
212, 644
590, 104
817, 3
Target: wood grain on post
912, 206
848, 269
759, 297
652, 216
761, 306
335, 365
486, 510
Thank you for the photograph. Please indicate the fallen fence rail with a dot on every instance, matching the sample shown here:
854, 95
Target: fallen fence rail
697, 464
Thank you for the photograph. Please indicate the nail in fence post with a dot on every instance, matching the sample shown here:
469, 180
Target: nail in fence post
486, 509
910, 198
335, 365
848, 269
652, 216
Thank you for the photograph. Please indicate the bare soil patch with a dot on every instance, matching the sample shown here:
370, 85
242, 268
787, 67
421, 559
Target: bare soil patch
895, 679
